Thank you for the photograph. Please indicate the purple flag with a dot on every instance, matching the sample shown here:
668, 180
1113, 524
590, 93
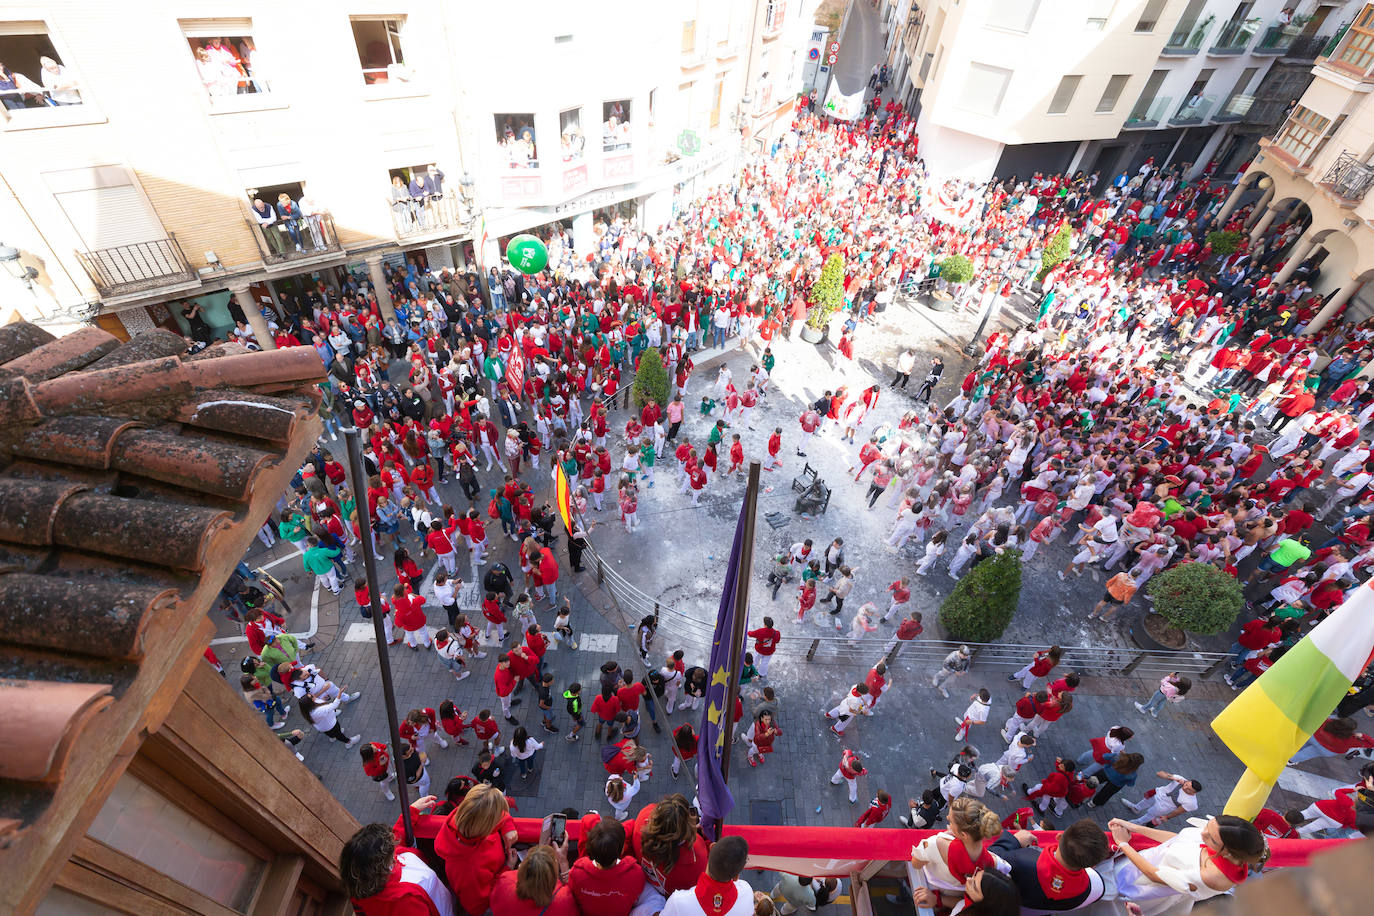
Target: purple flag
717, 722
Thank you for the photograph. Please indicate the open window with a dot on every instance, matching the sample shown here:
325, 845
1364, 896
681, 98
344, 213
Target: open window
515, 137
226, 57
572, 141
290, 223
32, 73
615, 125
418, 201
380, 50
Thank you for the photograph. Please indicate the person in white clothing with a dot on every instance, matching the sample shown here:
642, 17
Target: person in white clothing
720, 887
1175, 797
621, 793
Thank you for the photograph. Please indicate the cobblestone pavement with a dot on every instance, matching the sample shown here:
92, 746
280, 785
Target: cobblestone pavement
677, 556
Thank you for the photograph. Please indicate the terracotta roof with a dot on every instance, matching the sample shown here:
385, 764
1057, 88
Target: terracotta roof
123, 469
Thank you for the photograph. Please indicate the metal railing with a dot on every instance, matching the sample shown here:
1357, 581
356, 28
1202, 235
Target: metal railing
1186, 40
1233, 37
1309, 47
1348, 177
134, 268
293, 239
1194, 110
1149, 114
415, 216
1278, 38
681, 630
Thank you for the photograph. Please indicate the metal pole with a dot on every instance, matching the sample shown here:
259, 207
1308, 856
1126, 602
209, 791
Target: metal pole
358, 482
741, 619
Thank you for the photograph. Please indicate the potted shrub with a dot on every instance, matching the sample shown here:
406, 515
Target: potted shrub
827, 297
1224, 242
1055, 252
955, 272
984, 602
1190, 597
651, 379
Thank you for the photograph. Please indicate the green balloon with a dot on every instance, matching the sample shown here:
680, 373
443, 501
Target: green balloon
527, 254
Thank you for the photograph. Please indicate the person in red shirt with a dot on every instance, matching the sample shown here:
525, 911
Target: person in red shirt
604, 880
766, 640
681, 864
1042, 664
736, 456
1255, 635
1336, 737
1054, 788
536, 887
505, 681
377, 765
410, 617
876, 681
774, 447
877, 810
907, 630
605, 706
1279, 826
849, 770
382, 878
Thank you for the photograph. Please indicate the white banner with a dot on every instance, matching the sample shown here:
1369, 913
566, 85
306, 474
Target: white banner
843, 107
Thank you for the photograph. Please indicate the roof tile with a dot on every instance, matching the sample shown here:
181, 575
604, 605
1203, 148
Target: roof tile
140, 529
189, 461
19, 338
94, 615
144, 345
65, 354
86, 442
49, 716
28, 509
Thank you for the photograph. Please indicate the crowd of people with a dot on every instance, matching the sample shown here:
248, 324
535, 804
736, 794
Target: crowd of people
1135, 417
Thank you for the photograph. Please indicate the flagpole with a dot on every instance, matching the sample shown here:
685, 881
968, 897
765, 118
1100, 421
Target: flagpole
741, 614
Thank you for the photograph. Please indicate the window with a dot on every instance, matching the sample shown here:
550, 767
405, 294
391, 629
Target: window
1149, 16
379, 50
1302, 132
1015, 15
689, 36
984, 88
773, 15
715, 104
1357, 51
571, 141
32, 74
1147, 95
291, 223
1112, 94
1099, 12
615, 125
226, 57
515, 136
1063, 96
143, 825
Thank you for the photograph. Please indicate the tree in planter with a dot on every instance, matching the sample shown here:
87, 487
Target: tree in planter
651, 379
983, 603
956, 270
1197, 597
1224, 242
1055, 252
827, 295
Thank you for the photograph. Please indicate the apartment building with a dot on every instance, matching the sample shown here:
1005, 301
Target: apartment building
1225, 77
255, 148
1007, 87
1317, 170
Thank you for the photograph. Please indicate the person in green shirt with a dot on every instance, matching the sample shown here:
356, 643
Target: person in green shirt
768, 360
292, 528
283, 648
319, 560
749, 671
717, 434
1284, 554
646, 460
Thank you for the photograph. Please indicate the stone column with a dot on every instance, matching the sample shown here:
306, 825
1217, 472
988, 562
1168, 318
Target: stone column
1260, 207
1264, 223
1341, 298
377, 278
1232, 201
252, 310
1302, 248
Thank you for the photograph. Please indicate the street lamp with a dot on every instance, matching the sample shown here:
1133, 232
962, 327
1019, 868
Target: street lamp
9, 256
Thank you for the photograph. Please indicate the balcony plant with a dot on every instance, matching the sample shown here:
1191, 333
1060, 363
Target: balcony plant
827, 297
1192, 597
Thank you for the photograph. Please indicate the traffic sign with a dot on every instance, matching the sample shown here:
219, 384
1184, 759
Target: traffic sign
813, 53
830, 59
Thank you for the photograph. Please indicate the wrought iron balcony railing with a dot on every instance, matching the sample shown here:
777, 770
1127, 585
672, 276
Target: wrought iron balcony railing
1348, 177
135, 268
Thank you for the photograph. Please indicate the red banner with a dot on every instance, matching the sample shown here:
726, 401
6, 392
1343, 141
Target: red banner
515, 373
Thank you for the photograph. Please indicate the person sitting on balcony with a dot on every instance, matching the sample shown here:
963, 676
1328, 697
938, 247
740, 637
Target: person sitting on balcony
289, 212
266, 217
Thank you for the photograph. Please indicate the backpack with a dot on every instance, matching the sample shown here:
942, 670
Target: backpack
492, 510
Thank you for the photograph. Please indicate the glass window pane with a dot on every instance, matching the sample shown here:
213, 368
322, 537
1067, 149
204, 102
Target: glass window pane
984, 88
145, 826
1063, 96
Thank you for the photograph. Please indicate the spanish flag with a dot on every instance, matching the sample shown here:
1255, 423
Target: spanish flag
1273, 717
563, 496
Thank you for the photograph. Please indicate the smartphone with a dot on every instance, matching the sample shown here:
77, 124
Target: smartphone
558, 829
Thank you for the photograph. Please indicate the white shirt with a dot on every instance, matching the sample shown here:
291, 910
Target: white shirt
531, 746
684, 903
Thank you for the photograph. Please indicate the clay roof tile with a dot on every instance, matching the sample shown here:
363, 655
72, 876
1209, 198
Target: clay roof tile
97, 615
244, 414
65, 354
89, 392
86, 442
189, 461
155, 532
145, 345
48, 718
28, 509
19, 338
246, 370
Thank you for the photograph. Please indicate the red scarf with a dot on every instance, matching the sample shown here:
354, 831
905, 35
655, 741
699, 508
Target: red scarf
1057, 881
1235, 872
960, 865
716, 897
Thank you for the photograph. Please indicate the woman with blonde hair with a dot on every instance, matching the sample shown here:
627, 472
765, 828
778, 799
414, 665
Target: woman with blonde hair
950, 857
473, 847
538, 888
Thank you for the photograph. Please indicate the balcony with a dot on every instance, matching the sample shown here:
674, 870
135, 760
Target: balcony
1193, 111
1308, 47
1348, 178
1186, 40
436, 216
1279, 37
1148, 114
296, 239
1234, 37
136, 268
1234, 109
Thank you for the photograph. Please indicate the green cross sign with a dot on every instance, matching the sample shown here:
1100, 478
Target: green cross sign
689, 143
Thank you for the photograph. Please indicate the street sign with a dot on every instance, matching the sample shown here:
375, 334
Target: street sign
813, 53
831, 59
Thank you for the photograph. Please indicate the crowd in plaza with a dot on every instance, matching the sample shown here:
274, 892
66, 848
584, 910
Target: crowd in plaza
1166, 407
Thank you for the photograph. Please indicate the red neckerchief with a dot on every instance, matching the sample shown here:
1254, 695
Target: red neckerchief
1057, 881
1235, 872
960, 865
716, 897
